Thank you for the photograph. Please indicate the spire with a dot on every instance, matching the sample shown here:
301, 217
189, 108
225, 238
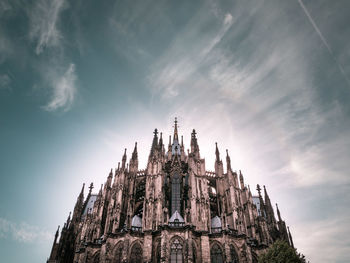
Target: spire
58, 230
68, 218
134, 153
81, 195
268, 208
290, 238
100, 192
92, 185
134, 163
258, 189
228, 161
161, 140
241, 179
262, 205
176, 137
124, 159
278, 213
217, 152
155, 140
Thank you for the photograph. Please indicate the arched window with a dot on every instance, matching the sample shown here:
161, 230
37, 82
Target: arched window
136, 254
234, 256
158, 254
216, 254
118, 253
97, 258
194, 252
176, 252
175, 194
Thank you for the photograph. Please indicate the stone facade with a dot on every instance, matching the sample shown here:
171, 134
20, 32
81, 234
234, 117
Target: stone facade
173, 211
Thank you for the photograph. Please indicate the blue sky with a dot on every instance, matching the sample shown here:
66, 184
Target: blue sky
81, 80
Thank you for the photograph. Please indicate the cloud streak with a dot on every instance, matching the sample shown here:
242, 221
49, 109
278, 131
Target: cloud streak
23, 232
319, 33
43, 23
5, 82
64, 91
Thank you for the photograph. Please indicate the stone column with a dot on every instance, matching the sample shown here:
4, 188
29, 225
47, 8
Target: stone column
205, 249
147, 247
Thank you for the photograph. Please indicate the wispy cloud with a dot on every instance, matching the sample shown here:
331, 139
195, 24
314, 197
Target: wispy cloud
5, 82
330, 235
44, 19
323, 39
64, 91
23, 232
172, 72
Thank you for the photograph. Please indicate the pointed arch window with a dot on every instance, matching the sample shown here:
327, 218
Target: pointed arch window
136, 254
234, 256
176, 252
158, 254
194, 252
119, 253
216, 254
175, 194
97, 258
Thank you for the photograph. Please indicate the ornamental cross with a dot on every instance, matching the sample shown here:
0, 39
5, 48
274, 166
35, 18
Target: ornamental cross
90, 187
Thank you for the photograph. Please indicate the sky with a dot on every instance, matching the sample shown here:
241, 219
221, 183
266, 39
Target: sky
266, 79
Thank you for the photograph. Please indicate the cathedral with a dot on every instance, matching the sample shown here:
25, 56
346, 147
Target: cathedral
173, 211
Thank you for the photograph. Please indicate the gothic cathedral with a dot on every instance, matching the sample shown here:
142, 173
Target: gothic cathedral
173, 211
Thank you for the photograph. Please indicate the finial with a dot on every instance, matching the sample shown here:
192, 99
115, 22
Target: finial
175, 130
155, 132
82, 189
125, 151
92, 185
118, 165
134, 153
193, 134
278, 213
182, 140
217, 152
259, 189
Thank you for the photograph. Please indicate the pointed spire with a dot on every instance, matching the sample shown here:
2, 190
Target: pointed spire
278, 213
82, 190
176, 137
68, 218
290, 238
258, 188
124, 159
161, 140
92, 185
134, 153
217, 152
182, 141
228, 161
241, 179
57, 233
155, 140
